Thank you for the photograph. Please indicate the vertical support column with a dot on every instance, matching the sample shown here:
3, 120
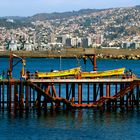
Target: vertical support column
94, 63
107, 90
73, 92
9, 95
79, 93
108, 95
15, 97
101, 90
21, 97
27, 96
102, 94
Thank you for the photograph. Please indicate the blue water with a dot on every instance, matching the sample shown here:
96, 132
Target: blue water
86, 124
46, 64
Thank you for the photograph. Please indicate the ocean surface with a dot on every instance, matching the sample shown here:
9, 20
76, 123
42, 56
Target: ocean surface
84, 124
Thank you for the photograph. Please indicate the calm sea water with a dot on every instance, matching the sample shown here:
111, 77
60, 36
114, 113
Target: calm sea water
86, 124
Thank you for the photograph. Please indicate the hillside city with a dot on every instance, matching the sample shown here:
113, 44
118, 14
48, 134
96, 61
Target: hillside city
106, 28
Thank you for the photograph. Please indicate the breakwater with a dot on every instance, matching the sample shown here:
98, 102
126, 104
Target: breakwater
133, 54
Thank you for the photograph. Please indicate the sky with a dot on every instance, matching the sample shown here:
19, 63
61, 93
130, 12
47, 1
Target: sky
32, 7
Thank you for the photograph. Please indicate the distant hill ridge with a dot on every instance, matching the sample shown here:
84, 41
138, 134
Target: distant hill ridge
57, 15
26, 21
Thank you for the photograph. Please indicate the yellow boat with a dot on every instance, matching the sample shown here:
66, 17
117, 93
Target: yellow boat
113, 72
69, 72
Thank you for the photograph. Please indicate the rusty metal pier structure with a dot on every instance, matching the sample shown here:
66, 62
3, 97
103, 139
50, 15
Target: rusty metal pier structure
70, 93
66, 93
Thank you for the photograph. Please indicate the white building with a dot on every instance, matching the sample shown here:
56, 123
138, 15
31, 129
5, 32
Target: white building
13, 46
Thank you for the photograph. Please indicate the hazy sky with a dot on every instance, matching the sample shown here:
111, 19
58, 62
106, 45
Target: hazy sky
31, 7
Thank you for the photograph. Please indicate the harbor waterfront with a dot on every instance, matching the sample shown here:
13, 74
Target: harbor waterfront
106, 53
74, 124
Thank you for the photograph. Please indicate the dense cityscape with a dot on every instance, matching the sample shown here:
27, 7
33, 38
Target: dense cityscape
115, 27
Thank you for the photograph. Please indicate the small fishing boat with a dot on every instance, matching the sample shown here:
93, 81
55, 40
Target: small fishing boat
69, 72
77, 71
114, 72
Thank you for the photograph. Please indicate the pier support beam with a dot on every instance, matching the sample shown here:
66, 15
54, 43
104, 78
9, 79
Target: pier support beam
79, 93
16, 105
108, 95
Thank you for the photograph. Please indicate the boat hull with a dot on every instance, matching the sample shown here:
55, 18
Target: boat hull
113, 72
